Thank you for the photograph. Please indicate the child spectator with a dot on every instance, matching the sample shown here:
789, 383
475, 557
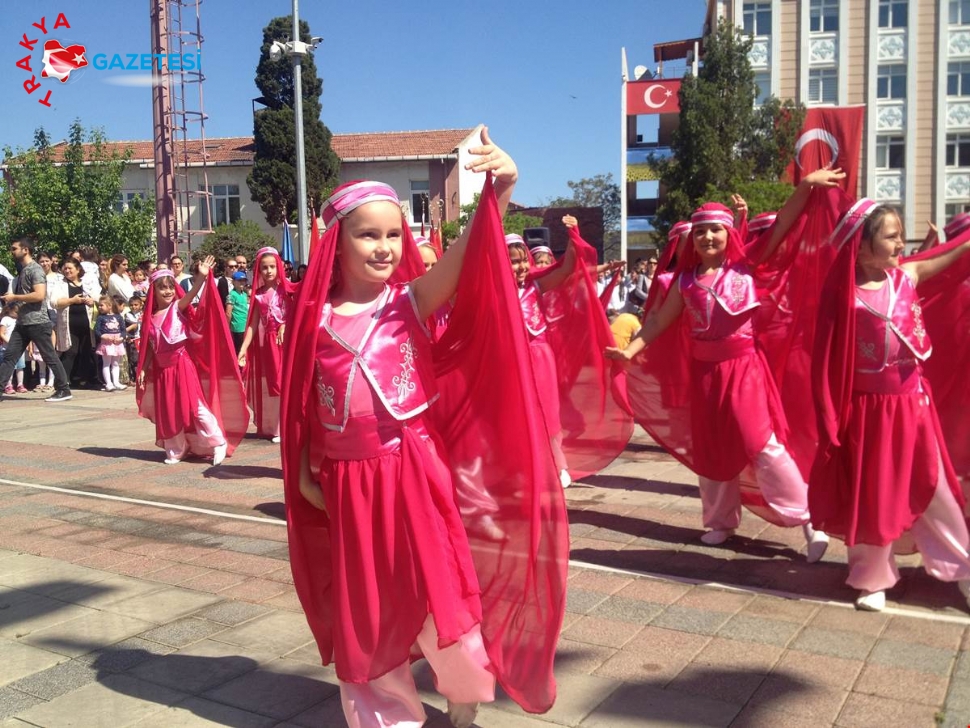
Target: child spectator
110, 332
237, 308
8, 321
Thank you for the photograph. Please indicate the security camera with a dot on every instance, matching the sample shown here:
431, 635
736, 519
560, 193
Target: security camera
315, 42
276, 50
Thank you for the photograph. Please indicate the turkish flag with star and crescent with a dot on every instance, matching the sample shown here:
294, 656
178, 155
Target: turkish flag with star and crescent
830, 138
653, 97
60, 62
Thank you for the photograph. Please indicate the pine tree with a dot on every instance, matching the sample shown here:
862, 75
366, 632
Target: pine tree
273, 179
724, 144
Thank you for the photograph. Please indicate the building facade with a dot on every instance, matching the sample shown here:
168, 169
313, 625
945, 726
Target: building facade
906, 61
425, 168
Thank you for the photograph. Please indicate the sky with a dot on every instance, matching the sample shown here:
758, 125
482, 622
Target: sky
544, 76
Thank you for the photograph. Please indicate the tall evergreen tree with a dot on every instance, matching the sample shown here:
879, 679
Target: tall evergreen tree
724, 144
273, 179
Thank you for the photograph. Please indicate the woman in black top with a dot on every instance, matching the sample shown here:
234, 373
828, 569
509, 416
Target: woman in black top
74, 326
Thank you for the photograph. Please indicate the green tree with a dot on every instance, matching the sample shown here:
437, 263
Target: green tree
599, 191
273, 179
243, 237
724, 144
65, 202
512, 223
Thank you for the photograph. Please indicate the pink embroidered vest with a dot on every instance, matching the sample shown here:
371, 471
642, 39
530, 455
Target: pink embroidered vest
394, 356
535, 319
272, 308
170, 334
733, 291
893, 312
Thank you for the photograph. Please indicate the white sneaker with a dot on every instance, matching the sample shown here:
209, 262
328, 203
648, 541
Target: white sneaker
219, 453
964, 586
564, 478
818, 543
487, 527
276, 440
120, 387
173, 461
717, 536
874, 602
462, 715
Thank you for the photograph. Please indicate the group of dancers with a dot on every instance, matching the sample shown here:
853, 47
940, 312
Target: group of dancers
431, 407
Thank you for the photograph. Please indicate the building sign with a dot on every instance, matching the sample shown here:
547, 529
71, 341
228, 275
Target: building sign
652, 97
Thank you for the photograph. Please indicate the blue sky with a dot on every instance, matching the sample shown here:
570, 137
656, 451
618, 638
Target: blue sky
544, 76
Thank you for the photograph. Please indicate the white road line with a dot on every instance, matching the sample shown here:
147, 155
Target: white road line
930, 616
952, 619
138, 501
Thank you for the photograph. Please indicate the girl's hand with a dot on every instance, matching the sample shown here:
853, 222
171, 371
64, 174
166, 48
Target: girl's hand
491, 158
205, 265
141, 379
279, 334
312, 492
570, 222
825, 178
616, 354
739, 204
241, 360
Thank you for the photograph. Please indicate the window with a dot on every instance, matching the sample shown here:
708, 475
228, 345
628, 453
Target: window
763, 83
823, 16
225, 205
891, 82
123, 201
958, 150
420, 201
757, 18
823, 86
890, 152
958, 79
893, 13
648, 190
959, 12
952, 209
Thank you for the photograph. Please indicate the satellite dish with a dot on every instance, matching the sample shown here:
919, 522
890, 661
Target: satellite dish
641, 71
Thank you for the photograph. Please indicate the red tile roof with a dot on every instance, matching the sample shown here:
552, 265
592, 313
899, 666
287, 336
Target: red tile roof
349, 147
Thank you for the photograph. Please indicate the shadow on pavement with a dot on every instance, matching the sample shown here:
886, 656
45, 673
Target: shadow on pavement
622, 482
45, 598
274, 509
154, 456
228, 471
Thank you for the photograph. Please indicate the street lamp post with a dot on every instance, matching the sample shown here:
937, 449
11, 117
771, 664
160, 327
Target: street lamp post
297, 50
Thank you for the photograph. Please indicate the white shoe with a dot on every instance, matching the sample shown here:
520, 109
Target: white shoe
120, 387
462, 715
108, 388
818, 543
219, 453
173, 461
873, 602
487, 527
717, 536
564, 478
964, 586
276, 440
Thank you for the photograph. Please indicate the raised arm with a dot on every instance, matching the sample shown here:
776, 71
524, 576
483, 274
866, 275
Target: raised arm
652, 327
198, 281
434, 288
795, 204
931, 239
923, 270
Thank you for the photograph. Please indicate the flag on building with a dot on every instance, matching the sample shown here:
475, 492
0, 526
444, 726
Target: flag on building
831, 138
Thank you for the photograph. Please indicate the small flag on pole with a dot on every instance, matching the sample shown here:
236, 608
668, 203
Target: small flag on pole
286, 251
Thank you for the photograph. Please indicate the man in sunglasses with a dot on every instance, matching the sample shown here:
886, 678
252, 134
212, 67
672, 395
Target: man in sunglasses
224, 283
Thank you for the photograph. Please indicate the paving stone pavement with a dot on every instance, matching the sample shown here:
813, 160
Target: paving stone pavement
115, 613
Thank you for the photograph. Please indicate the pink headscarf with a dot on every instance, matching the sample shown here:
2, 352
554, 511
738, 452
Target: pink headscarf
350, 196
957, 225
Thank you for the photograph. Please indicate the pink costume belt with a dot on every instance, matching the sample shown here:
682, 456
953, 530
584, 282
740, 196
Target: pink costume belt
891, 380
721, 349
368, 436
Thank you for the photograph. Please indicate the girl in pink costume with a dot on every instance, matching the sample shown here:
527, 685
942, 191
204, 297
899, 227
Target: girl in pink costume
269, 299
734, 409
188, 381
882, 478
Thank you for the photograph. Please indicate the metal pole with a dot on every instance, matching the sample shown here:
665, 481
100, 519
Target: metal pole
624, 188
299, 49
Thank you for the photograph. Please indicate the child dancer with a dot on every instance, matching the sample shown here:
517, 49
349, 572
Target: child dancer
734, 409
269, 299
8, 321
882, 468
543, 357
195, 408
542, 256
110, 332
429, 256
380, 558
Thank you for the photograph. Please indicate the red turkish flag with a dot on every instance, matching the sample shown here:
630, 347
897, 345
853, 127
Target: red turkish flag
652, 97
831, 138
